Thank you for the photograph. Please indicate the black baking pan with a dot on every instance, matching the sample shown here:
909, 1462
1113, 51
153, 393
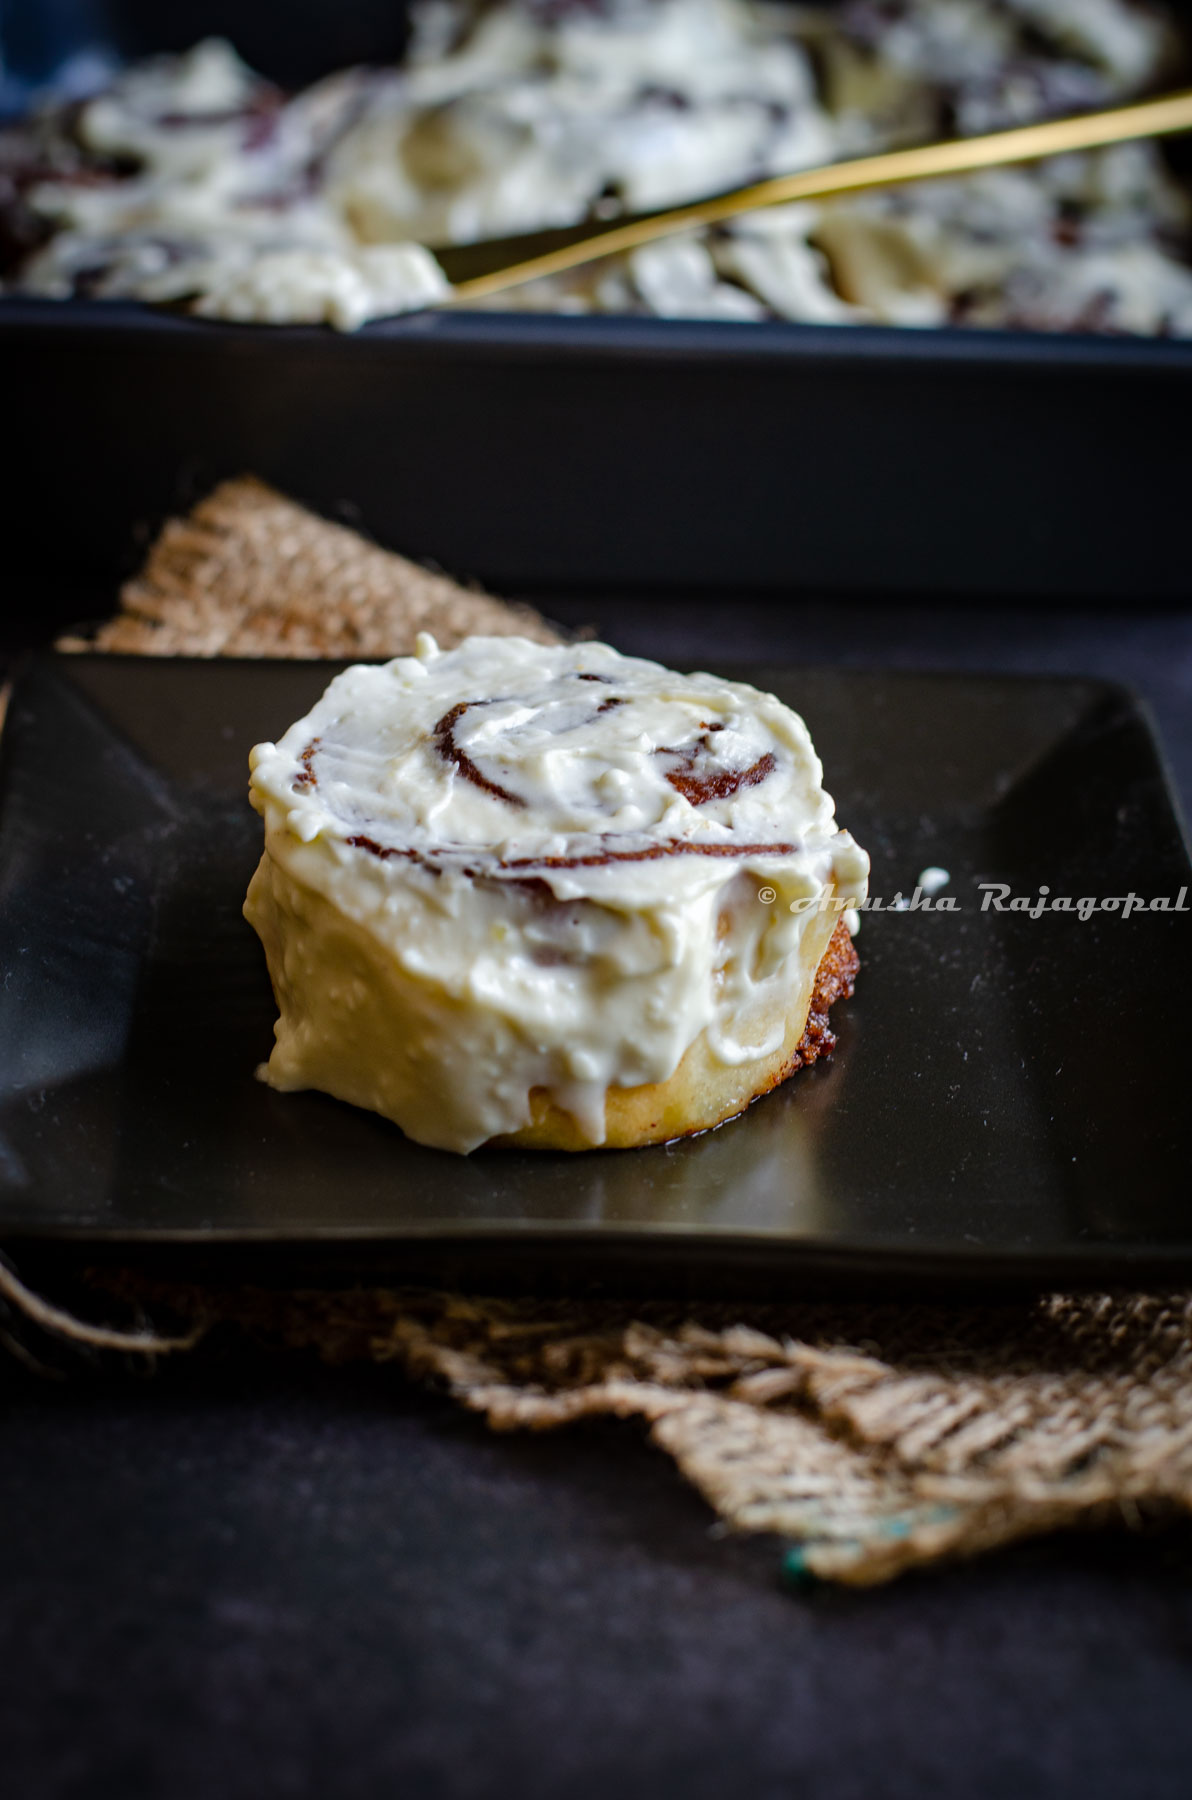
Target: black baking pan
534, 452
546, 453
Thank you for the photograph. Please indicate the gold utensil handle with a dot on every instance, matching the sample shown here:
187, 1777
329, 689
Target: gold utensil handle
960, 156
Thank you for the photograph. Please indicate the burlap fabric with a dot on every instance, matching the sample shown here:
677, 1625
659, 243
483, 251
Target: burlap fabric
249, 573
873, 1438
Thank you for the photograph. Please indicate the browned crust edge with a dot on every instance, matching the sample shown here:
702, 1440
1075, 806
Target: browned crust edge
835, 980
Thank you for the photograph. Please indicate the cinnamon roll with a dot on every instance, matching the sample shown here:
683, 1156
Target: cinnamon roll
548, 895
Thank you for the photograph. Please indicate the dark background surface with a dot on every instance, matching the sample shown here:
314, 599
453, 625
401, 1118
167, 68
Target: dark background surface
251, 1576
290, 41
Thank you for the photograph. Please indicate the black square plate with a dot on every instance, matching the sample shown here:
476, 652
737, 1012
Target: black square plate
1009, 1100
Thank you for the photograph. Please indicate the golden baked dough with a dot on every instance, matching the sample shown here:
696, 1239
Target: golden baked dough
702, 1092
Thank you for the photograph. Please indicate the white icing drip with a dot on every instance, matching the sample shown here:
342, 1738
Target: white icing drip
584, 1100
733, 1054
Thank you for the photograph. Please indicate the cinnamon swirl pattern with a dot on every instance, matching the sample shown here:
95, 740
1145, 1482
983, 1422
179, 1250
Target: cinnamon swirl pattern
547, 895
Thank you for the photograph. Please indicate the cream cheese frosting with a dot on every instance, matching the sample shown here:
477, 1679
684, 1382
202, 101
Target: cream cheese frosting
546, 863
193, 180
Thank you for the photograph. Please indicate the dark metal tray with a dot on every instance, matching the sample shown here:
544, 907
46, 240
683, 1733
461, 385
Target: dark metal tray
536, 452
1008, 1102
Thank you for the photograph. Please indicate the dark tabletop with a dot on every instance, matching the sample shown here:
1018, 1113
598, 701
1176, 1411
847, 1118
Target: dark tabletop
249, 1575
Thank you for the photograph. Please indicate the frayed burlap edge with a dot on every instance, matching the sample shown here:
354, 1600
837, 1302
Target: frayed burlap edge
875, 1439
251, 573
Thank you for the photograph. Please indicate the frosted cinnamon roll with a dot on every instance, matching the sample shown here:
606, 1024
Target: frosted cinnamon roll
548, 895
